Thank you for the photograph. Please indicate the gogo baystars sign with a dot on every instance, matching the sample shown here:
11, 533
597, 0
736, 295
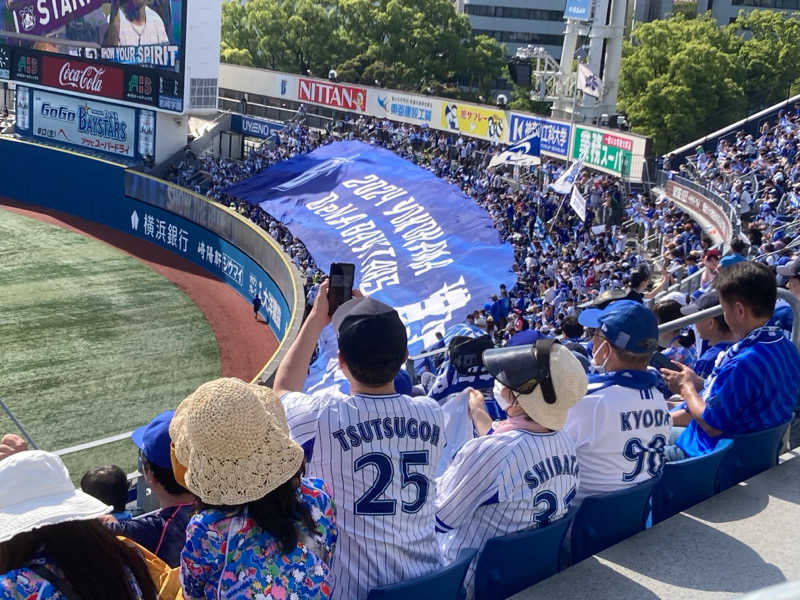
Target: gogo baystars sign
78, 76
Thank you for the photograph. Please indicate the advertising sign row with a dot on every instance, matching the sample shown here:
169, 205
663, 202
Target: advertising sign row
110, 128
128, 84
200, 245
124, 50
610, 151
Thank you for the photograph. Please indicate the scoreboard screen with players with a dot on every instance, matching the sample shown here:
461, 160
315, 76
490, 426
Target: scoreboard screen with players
128, 50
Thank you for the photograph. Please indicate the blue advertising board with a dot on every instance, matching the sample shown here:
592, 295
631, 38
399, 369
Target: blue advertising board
418, 243
578, 10
260, 128
89, 125
211, 252
553, 135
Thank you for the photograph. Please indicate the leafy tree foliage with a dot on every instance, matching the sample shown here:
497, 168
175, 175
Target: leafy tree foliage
402, 44
681, 78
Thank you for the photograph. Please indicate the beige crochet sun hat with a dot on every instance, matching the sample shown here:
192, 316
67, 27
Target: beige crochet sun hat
234, 441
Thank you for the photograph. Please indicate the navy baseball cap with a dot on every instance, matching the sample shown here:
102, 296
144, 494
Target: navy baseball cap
626, 324
369, 332
154, 441
707, 300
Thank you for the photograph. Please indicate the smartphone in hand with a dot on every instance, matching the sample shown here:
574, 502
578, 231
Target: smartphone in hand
340, 289
659, 361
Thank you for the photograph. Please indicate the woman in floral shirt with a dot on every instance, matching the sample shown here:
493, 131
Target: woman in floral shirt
257, 567
262, 532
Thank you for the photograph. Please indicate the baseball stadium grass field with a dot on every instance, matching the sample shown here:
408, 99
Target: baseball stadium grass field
92, 342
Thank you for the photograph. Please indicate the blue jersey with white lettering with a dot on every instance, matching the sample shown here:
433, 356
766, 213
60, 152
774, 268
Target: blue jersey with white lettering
377, 454
755, 386
620, 428
501, 483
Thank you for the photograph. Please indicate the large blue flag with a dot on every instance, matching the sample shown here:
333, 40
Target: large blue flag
418, 243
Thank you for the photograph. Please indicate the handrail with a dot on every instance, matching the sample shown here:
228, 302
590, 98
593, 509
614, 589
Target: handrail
715, 311
729, 210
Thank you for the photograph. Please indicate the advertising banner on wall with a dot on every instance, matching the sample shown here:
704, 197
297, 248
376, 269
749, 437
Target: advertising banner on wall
474, 120
253, 127
553, 135
704, 210
201, 246
612, 152
22, 116
406, 108
335, 95
80, 122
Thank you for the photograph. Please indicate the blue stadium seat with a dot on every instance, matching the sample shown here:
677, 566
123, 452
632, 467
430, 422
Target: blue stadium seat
444, 584
684, 483
749, 455
511, 563
605, 519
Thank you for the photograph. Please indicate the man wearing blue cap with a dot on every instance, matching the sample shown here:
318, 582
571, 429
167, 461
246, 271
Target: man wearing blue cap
622, 424
163, 531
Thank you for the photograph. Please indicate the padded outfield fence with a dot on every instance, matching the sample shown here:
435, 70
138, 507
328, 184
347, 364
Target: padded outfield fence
227, 245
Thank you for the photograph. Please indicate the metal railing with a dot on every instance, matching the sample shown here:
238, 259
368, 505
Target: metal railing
728, 209
714, 311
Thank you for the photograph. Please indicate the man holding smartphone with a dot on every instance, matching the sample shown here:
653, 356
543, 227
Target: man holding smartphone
376, 449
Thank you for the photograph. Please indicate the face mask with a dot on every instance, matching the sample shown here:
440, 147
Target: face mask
497, 392
600, 368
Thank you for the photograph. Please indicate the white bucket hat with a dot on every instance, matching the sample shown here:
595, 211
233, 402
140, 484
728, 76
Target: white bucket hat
547, 381
233, 439
36, 491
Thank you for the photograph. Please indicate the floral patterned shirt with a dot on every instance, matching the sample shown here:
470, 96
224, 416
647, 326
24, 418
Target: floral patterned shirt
227, 555
25, 584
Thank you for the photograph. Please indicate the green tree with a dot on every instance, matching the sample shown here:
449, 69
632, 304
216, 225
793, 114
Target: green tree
681, 78
678, 79
405, 44
769, 55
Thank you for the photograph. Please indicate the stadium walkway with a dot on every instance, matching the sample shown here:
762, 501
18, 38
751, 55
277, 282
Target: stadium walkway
741, 540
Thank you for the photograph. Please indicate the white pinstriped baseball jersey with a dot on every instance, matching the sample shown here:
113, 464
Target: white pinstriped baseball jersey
501, 483
377, 454
620, 428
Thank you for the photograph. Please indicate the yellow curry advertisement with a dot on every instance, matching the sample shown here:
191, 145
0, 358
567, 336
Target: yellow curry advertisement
477, 121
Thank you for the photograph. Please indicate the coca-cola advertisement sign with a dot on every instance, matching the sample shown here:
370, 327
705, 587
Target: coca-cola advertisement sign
81, 77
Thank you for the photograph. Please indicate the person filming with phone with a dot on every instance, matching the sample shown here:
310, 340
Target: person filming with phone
377, 449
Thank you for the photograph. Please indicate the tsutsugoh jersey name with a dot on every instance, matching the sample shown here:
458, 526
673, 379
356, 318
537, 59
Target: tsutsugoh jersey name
378, 455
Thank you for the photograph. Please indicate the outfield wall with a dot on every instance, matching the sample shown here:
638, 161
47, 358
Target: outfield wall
228, 246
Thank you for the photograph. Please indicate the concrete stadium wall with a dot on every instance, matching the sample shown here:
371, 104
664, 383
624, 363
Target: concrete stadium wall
218, 239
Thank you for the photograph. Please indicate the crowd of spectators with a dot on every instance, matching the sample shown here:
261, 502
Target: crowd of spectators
560, 261
277, 493
293, 481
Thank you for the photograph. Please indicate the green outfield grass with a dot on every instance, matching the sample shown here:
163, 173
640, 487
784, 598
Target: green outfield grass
92, 341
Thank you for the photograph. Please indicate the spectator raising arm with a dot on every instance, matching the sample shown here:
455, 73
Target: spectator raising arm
291, 374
